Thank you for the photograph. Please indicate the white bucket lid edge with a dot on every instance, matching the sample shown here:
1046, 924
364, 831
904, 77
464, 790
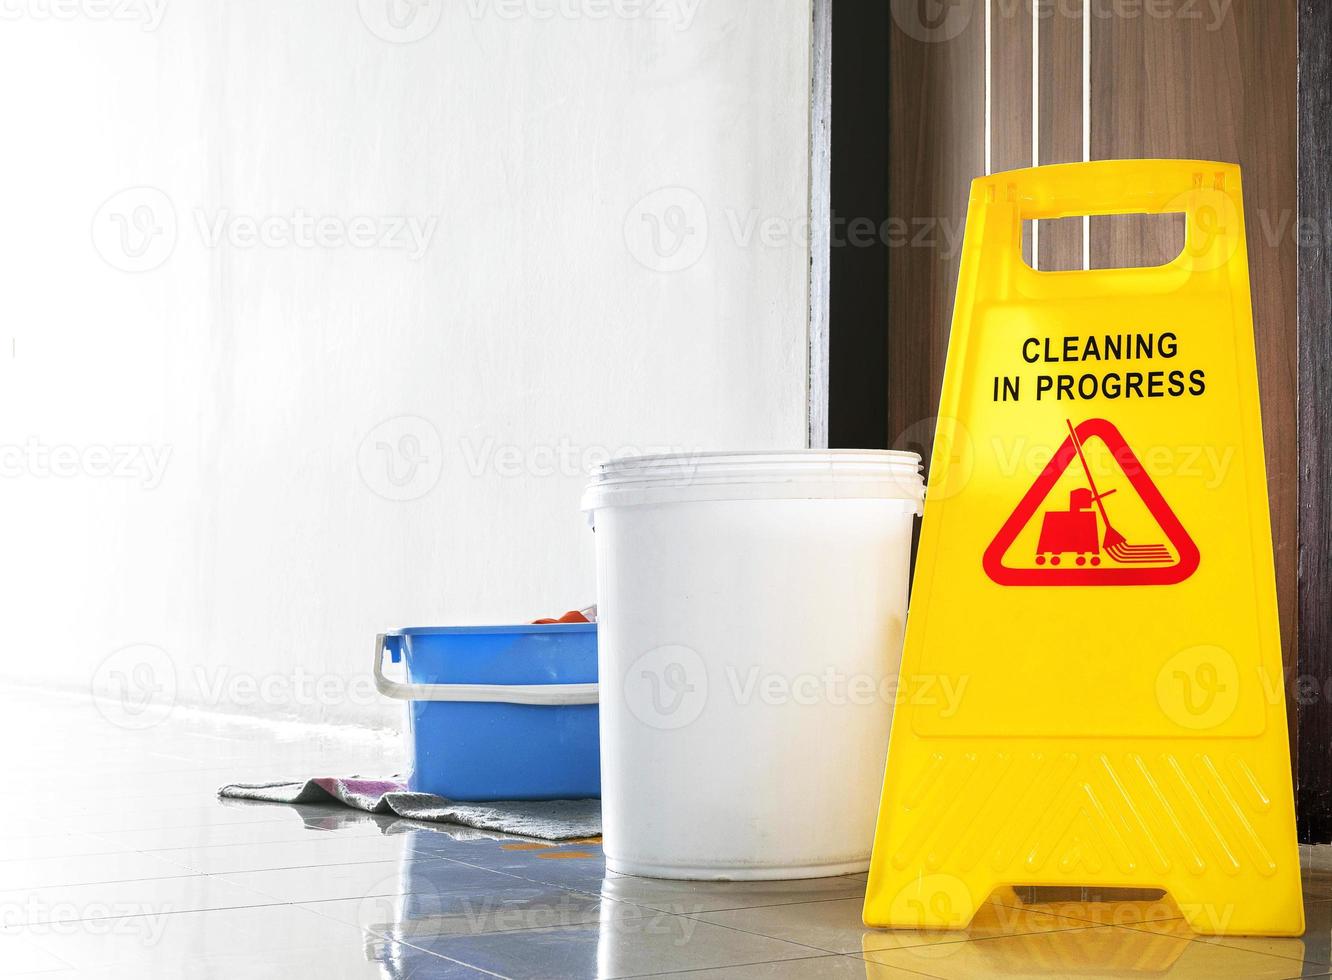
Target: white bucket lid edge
781, 474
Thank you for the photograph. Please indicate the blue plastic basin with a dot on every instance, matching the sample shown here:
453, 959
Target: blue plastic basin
487, 750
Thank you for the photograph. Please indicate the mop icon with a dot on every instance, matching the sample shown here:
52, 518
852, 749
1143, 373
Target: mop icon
1075, 531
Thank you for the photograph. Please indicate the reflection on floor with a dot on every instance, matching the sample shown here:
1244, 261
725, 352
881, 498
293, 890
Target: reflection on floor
118, 861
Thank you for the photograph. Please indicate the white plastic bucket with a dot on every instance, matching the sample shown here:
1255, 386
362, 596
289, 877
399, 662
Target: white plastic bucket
751, 610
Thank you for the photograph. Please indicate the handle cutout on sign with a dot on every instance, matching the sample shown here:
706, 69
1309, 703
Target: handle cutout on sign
1118, 241
1138, 241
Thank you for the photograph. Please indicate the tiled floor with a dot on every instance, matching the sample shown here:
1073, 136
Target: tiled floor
117, 860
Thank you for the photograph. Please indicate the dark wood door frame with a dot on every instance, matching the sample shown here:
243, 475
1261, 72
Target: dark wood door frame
850, 240
1313, 697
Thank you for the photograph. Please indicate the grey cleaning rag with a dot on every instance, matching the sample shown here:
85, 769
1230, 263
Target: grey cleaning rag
540, 819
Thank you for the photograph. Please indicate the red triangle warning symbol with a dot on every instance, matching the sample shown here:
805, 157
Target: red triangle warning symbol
1078, 544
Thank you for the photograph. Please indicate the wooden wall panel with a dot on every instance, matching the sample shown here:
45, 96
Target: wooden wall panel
1177, 87
1011, 120
1060, 122
1315, 312
937, 119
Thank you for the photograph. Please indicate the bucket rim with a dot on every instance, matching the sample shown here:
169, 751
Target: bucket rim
759, 457
502, 629
810, 474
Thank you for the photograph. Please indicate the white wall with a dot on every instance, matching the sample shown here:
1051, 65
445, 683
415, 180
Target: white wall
526, 332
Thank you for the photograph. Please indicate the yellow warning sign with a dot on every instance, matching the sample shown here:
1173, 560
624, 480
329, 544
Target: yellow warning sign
1095, 575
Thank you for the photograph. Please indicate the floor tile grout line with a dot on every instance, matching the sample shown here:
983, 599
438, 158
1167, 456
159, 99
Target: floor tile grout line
529, 928
731, 966
154, 913
114, 881
488, 932
186, 826
507, 874
463, 963
924, 945
1222, 942
398, 941
865, 959
991, 939
474, 867
33, 944
1029, 908
243, 871
591, 887
123, 849
758, 935
277, 899
81, 970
